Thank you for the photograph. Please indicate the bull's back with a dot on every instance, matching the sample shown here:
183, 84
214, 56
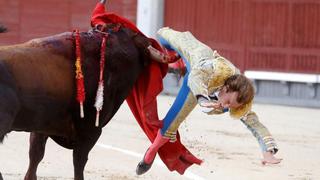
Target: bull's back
38, 71
43, 80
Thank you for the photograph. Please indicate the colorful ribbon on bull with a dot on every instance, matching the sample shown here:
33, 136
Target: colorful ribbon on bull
99, 97
79, 75
80, 78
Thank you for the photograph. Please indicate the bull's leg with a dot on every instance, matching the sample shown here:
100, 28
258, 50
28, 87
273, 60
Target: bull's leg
9, 102
81, 150
9, 106
6, 121
36, 153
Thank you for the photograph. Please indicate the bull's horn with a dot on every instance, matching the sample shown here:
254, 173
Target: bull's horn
162, 57
103, 1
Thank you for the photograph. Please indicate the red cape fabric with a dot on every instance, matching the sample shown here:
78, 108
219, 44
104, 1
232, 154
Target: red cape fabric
142, 100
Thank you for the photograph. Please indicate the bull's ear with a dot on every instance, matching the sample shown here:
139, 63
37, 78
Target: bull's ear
141, 41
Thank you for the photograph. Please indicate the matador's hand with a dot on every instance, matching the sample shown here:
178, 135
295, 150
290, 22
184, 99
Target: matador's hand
268, 158
204, 102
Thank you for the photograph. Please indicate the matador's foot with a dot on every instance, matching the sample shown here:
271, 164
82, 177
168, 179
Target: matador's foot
143, 167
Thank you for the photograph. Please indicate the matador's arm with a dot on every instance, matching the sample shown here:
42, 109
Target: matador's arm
262, 134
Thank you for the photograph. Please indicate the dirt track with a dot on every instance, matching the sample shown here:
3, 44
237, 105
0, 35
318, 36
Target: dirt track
228, 148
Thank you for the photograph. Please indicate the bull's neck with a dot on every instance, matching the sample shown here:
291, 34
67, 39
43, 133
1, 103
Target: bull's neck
90, 43
64, 44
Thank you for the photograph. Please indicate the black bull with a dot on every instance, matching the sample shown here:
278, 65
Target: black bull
38, 89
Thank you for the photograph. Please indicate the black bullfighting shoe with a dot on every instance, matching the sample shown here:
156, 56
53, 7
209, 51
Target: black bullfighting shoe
143, 167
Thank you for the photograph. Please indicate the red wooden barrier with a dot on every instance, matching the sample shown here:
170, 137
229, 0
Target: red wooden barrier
267, 35
28, 19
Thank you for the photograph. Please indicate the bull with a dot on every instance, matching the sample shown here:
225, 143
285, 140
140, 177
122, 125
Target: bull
38, 89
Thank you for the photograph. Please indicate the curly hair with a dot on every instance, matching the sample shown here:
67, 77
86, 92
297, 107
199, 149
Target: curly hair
241, 84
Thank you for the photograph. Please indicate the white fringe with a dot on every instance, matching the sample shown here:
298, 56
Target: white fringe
81, 110
99, 101
97, 118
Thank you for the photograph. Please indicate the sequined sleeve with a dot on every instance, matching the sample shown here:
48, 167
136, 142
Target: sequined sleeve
262, 134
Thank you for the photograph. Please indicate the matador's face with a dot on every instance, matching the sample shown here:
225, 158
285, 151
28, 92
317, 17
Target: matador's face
228, 99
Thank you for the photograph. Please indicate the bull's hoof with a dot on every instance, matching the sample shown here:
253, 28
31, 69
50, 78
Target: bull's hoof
143, 167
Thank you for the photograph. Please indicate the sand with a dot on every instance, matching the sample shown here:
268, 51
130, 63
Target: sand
228, 149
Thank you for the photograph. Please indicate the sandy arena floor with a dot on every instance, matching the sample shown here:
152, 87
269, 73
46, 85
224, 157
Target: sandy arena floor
228, 148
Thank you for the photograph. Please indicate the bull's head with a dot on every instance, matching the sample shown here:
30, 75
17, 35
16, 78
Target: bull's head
2, 28
145, 46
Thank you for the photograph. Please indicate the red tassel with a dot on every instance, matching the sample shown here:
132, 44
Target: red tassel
99, 96
79, 75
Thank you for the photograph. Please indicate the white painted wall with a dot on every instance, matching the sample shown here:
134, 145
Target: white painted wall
150, 16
